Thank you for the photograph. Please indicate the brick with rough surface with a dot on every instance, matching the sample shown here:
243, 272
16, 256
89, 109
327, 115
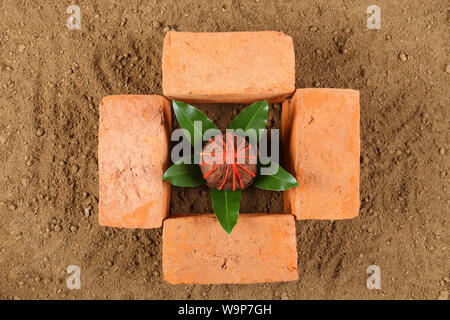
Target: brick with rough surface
261, 248
133, 153
233, 67
321, 145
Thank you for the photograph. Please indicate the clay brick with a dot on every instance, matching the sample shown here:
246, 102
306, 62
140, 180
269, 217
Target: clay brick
261, 248
241, 67
320, 134
133, 153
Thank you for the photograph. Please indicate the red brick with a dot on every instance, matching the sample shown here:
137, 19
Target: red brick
228, 66
261, 248
133, 153
320, 133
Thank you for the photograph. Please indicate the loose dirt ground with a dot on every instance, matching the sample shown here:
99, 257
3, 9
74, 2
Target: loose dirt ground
52, 80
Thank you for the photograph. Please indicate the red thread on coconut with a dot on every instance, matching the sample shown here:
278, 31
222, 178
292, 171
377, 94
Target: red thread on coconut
230, 157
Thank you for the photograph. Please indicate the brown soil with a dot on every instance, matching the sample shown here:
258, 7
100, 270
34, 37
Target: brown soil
53, 78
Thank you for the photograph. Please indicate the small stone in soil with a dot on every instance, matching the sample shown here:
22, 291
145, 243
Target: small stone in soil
403, 56
40, 132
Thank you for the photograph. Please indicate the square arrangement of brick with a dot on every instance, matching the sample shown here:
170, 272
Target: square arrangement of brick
320, 135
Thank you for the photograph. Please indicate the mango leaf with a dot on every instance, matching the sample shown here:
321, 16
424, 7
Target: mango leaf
279, 181
186, 115
184, 175
226, 207
252, 117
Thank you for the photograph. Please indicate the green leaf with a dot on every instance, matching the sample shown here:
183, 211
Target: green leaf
184, 175
252, 117
280, 181
226, 207
186, 115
